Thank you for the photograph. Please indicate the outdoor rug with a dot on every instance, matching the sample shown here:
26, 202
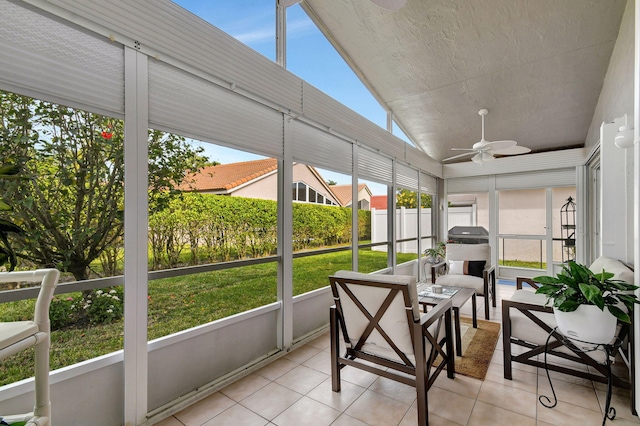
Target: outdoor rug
478, 345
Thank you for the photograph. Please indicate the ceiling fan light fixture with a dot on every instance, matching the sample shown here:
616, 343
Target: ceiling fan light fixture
482, 157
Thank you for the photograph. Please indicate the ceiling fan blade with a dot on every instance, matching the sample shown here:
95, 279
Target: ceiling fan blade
499, 145
514, 150
460, 156
463, 149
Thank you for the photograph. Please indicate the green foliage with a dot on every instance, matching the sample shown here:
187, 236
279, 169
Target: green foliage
63, 312
7, 254
104, 306
409, 199
438, 252
577, 285
72, 212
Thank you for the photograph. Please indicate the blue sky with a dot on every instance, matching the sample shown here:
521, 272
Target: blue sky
309, 55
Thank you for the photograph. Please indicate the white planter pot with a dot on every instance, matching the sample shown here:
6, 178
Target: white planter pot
587, 324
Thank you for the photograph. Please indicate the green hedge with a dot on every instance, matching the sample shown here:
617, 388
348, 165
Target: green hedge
221, 228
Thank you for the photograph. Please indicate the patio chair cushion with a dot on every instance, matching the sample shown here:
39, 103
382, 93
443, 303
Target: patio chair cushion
393, 322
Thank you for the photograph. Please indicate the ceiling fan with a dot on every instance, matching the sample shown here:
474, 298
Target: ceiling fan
385, 4
483, 150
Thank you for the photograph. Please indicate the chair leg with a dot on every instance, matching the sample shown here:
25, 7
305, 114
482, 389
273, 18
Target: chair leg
506, 342
335, 348
486, 305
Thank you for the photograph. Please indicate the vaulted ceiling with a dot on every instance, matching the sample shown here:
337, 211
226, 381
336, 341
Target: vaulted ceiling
537, 65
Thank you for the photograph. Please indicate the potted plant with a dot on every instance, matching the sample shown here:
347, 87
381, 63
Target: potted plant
580, 296
437, 253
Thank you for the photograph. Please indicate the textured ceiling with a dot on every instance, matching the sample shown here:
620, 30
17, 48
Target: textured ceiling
537, 65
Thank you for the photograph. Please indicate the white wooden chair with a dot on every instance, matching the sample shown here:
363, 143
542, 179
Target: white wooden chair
376, 325
20, 335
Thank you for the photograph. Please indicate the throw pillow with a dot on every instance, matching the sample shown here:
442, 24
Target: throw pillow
467, 267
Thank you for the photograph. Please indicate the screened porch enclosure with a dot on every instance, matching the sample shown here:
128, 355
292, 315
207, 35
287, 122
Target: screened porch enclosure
155, 66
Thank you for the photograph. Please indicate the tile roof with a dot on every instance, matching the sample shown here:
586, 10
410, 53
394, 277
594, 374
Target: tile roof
379, 202
225, 177
343, 192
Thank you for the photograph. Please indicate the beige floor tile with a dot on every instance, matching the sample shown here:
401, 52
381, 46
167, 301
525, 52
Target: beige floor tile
451, 406
622, 404
345, 420
568, 415
308, 412
320, 362
244, 387
392, 389
375, 409
323, 342
463, 385
338, 400
486, 414
277, 368
302, 354
516, 400
358, 377
520, 380
204, 410
411, 418
271, 400
170, 421
583, 396
302, 379
556, 376
237, 416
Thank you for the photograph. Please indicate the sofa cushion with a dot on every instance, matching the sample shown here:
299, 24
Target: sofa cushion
617, 268
467, 281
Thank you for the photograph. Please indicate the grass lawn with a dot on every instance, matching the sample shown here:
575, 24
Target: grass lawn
183, 302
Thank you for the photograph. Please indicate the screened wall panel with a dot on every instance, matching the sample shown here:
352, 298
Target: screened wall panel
182, 103
44, 58
168, 30
428, 184
374, 167
467, 185
320, 107
315, 147
540, 179
406, 177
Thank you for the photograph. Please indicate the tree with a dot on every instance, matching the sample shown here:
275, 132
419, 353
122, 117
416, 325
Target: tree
331, 182
72, 210
408, 199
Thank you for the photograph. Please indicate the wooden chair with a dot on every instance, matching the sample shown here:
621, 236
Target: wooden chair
376, 326
468, 266
19, 335
527, 324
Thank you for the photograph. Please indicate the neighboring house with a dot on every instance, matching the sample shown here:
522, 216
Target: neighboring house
259, 179
379, 202
343, 193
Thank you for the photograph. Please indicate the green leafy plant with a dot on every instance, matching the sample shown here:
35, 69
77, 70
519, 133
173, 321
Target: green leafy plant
7, 254
104, 306
438, 252
577, 285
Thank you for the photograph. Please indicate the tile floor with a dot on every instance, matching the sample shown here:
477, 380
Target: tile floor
296, 390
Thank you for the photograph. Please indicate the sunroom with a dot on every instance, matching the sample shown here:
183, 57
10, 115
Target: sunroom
156, 83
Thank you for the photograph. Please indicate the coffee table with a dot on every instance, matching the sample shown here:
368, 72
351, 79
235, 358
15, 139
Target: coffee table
457, 300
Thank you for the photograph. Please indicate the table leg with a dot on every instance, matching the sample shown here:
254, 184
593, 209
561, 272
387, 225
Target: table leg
456, 315
474, 315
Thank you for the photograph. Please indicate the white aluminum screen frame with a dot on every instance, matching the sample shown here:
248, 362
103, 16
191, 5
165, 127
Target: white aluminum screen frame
182, 103
73, 68
374, 167
539, 179
313, 146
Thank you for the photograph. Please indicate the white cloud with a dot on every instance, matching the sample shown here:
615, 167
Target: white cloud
268, 33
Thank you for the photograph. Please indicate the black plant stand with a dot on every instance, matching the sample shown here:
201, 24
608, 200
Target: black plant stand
609, 349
